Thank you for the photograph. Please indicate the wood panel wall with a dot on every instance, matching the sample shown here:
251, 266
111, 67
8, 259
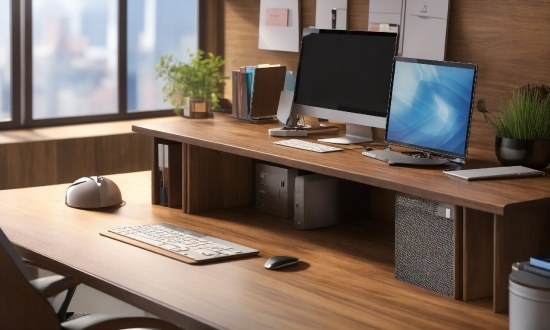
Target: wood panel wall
509, 40
49, 162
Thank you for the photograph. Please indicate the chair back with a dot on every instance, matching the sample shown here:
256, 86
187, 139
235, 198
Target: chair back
21, 306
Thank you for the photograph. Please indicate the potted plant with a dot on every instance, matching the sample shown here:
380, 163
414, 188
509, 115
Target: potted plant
192, 86
522, 128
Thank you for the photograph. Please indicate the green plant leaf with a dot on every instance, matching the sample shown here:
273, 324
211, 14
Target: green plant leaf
525, 115
198, 78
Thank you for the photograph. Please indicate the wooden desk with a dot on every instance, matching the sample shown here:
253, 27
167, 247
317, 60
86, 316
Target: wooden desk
344, 282
503, 221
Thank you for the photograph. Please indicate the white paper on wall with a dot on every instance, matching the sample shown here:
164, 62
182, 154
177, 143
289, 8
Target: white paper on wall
387, 12
425, 30
279, 37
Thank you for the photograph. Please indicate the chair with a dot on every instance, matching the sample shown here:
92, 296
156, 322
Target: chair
24, 304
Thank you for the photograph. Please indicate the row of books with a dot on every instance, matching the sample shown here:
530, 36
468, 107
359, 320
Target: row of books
169, 174
256, 90
539, 264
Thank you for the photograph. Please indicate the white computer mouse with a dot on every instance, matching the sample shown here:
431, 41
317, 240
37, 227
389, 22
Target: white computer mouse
93, 192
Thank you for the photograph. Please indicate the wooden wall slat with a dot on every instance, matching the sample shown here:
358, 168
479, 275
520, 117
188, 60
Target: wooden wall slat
122, 153
75, 159
41, 163
23, 165
358, 15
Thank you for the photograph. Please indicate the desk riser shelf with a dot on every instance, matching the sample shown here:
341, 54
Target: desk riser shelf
209, 174
226, 134
483, 253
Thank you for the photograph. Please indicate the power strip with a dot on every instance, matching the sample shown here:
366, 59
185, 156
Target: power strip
282, 131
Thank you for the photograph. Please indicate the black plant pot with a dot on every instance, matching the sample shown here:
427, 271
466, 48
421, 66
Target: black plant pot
528, 153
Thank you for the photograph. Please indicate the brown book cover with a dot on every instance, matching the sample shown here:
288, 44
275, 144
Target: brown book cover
243, 93
268, 82
235, 93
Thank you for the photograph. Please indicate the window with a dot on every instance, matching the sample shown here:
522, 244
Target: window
5, 60
88, 60
154, 29
74, 55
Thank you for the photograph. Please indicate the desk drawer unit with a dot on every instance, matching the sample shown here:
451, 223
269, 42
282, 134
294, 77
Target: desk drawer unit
424, 243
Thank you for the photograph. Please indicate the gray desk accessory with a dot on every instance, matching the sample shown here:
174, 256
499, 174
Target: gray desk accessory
495, 173
397, 158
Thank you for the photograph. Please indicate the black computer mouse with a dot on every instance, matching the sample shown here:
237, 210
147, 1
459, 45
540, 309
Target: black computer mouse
277, 262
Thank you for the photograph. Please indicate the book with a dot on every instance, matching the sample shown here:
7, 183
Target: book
166, 173
235, 93
541, 261
257, 87
267, 84
240, 93
162, 190
243, 95
249, 81
526, 266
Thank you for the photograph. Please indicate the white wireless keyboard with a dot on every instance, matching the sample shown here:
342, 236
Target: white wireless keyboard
180, 241
304, 145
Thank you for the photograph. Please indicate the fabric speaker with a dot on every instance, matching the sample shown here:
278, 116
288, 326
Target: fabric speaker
424, 243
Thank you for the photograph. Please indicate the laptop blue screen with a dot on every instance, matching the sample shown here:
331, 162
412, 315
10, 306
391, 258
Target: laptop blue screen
430, 106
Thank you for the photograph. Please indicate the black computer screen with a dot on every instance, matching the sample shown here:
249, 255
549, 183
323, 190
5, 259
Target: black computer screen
346, 70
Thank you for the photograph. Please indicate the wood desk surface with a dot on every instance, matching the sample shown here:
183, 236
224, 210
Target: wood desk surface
345, 280
240, 137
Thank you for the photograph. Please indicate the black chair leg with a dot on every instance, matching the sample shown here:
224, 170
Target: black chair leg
62, 313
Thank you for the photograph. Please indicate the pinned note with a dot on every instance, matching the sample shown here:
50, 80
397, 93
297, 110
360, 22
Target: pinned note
276, 17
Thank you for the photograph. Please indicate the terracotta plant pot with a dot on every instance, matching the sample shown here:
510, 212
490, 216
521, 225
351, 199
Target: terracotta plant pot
528, 153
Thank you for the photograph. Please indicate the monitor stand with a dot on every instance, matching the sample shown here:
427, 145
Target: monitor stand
354, 134
397, 158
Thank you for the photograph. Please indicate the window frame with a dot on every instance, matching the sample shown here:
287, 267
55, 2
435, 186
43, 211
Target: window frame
209, 11
15, 63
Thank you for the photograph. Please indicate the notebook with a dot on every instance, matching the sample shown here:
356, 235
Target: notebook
495, 173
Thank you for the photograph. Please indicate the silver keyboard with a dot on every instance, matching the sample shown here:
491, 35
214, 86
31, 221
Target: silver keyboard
305, 145
187, 243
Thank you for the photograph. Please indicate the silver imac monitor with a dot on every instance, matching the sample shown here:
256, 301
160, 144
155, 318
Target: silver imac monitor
345, 76
431, 106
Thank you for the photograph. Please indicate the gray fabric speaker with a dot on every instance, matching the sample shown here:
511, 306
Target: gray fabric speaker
424, 243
